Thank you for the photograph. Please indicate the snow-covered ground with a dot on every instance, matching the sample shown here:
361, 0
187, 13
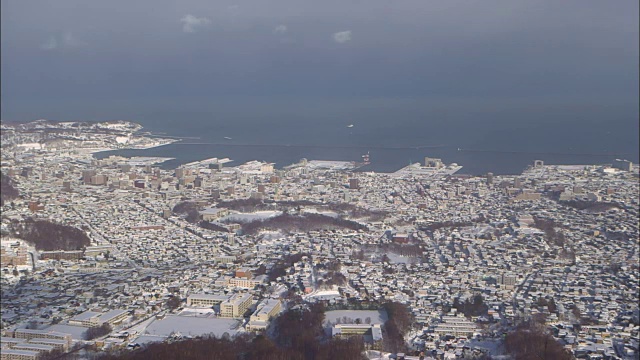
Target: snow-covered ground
192, 326
529, 230
205, 312
493, 346
379, 355
323, 295
399, 259
376, 316
248, 217
77, 332
147, 339
139, 328
147, 160
330, 165
316, 211
268, 235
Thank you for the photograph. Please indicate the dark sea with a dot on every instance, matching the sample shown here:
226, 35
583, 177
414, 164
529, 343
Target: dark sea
500, 138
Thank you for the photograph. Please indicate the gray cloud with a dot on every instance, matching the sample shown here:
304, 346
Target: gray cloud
50, 44
280, 29
67, 40
342, 37
191, 24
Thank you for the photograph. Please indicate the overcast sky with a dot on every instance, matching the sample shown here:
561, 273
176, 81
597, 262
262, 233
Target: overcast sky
64, 54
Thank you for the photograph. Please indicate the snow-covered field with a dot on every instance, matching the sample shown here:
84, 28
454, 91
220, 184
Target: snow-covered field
377, 316
316, 211
191, 326
267, 235
77, 332
399, 259
147, 339
248, 217
196, 312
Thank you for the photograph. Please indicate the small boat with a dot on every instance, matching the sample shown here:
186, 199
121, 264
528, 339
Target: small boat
350, 125
228, 138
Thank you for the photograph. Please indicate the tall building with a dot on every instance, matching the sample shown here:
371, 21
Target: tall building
215, 194
27, 171
625, 165
180, 173
98, 180
86, 176
489, 178
508, 280
354, 183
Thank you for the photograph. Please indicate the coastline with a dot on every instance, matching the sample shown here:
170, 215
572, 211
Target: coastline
93, 151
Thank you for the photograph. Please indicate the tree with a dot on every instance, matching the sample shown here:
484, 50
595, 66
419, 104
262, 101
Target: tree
551, 305
173, 302
539, 318
399, 323
530, 342
97, 331
475, 307
188, 210
7, 190
46, 235
32, 324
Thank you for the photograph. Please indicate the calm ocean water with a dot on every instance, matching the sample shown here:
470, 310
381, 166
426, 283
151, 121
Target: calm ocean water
382, 160
505, 144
